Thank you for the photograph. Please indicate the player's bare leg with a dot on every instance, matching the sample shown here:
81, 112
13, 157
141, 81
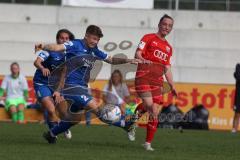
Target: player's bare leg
49, 106
235, 122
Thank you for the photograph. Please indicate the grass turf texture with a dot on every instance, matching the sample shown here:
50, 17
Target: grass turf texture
105, 143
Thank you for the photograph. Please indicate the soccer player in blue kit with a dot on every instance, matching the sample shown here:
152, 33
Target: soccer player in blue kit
81, 52
46, 62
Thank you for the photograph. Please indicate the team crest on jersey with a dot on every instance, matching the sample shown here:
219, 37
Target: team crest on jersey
69, 43
141, 45
167, 49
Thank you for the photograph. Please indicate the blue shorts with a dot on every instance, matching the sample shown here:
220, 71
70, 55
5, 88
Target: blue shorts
42, 91
79, 97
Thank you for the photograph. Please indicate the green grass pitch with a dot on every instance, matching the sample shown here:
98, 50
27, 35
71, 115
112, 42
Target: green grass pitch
110, 143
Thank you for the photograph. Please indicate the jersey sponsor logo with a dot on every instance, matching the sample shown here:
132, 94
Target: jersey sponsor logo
69, 43
161, 55
141, 45
88, 62
57, 58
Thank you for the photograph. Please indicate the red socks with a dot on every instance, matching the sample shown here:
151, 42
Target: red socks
151, 129
152, 123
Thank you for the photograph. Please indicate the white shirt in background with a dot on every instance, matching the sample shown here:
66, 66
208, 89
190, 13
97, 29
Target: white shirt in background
14, 87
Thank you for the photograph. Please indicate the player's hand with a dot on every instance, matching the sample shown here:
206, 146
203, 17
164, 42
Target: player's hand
58, 98
174, 92
38, 47
45, 72
145, 61
135, 61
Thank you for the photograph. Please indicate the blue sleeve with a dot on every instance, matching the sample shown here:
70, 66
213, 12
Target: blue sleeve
71, 46
100, 54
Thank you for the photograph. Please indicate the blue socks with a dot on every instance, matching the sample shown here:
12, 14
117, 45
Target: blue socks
61, 127
49, 123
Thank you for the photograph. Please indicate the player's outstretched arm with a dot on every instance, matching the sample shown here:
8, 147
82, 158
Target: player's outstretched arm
50, 47
114, 60
169, 78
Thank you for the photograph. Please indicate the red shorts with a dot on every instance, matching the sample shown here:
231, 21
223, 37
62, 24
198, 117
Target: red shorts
149, 81
148, 88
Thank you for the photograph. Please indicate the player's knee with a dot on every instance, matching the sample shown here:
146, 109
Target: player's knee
93, 105
148, 104
51, 111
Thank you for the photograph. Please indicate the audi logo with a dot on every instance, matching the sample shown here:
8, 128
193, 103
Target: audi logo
159, 54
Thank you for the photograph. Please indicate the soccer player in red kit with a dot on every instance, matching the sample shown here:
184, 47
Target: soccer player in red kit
155, 52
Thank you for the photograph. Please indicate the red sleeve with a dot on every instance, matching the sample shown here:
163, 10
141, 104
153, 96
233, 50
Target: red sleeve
143, 43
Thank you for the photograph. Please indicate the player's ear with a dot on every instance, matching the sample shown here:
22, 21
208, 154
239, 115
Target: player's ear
86, 35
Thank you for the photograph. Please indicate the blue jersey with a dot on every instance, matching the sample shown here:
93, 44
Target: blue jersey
80, 60
51, 60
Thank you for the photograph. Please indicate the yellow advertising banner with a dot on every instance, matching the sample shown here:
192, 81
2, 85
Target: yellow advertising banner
218, 99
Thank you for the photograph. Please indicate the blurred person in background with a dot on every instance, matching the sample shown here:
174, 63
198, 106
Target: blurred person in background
15, 87
236, 107
116, 91
46, 62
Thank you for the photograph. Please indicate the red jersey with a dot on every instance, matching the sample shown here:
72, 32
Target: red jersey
155, 49
149, 77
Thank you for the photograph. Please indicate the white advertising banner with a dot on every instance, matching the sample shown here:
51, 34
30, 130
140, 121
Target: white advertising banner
137, 4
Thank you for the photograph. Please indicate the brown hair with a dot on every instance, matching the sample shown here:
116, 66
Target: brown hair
94, 30
110, 83
70, 34
165, 16
14, 63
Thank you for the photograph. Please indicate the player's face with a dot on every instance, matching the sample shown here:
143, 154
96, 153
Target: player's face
64, 37
15, 69
165, 27
91, 40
